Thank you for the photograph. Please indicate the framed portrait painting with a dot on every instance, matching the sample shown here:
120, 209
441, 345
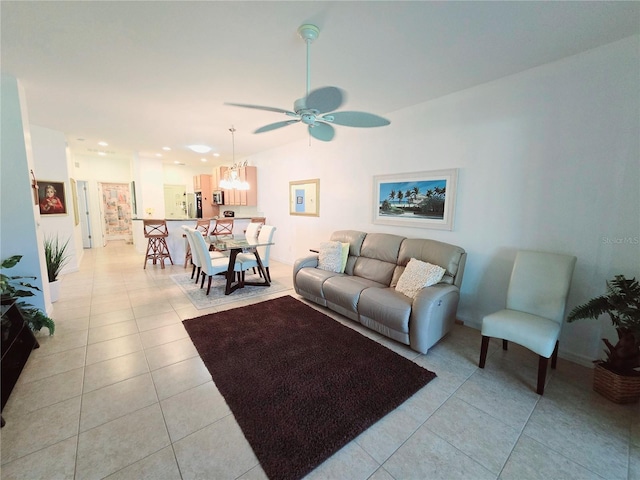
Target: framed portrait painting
51, 198
420, 199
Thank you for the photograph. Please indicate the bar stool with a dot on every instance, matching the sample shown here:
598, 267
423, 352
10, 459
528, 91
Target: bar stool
156, 231
223, 227
201, 225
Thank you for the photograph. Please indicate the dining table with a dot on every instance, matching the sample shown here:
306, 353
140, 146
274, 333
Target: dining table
236, 244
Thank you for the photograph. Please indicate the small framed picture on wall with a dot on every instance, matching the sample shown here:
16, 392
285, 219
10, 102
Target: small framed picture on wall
51, 198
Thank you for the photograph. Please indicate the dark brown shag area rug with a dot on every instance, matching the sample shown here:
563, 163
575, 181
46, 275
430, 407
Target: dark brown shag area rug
300, 384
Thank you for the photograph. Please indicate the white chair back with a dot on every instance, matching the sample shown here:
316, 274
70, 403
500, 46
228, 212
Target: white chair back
195, 257
265, 235
252, 230
540, 283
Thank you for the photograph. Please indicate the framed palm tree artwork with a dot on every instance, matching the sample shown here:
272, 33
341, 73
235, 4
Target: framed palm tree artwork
420, 199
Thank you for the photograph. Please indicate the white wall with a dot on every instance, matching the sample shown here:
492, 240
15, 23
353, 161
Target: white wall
19, 233
548, 159
50, 160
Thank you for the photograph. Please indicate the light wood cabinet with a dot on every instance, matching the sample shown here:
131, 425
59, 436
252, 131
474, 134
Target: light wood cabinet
242, 197
215, 179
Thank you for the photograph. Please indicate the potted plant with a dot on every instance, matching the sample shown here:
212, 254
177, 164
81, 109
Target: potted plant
617, 377
14, 289
56, 257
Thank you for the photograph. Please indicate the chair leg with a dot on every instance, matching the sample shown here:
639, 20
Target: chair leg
266, 270
208, 285
483, 351
193, 271
542, 373
554, 357
505, 344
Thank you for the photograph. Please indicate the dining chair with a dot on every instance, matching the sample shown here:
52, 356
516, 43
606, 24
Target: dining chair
536, 300
209, 266
195, 260
251, 232
248, 260
197, 263
157, 250
202, 224
257, 220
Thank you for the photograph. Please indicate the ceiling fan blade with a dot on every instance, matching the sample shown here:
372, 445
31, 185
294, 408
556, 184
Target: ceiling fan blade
273, 126
322, 131
356, 119
325, 99
260, 107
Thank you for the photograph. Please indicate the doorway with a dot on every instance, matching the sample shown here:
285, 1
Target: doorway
116, 206
175, 201
85, 217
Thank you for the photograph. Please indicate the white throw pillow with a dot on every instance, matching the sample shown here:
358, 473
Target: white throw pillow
330, 257
417, 275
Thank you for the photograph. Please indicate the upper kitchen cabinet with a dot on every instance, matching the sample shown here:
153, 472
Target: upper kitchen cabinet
242, 197
203, 183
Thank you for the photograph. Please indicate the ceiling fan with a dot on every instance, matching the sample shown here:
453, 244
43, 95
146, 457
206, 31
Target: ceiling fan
317, 108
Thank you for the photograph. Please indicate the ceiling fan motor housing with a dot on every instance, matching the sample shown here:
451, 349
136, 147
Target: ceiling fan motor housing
308, 32
299, 105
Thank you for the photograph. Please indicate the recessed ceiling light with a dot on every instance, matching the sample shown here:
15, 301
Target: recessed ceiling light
103, 144
158, 154
102, 154
200, 148
216, 154
166, 149
203, 159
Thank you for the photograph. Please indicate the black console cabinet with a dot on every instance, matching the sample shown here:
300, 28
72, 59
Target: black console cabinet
17, 342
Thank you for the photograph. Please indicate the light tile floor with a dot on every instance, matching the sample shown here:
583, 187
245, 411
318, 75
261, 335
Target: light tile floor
119, 392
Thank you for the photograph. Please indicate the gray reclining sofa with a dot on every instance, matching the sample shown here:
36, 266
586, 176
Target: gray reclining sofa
366, 292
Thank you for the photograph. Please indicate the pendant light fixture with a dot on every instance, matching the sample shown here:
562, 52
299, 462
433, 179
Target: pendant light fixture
231, 180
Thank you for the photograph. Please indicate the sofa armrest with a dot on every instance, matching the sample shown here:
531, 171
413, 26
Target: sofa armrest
309, 261
433, 314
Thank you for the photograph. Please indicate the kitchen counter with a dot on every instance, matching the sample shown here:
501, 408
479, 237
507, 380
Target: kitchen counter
194, 219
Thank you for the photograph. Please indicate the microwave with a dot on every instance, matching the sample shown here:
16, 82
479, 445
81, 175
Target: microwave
218, 197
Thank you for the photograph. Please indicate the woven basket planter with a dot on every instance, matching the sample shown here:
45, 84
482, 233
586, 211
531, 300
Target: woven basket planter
617, 388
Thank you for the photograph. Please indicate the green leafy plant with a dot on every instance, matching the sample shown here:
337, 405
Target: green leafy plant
622, 304
56, 256
15, 288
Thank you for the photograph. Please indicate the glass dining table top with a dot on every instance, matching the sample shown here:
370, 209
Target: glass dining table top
235, 242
